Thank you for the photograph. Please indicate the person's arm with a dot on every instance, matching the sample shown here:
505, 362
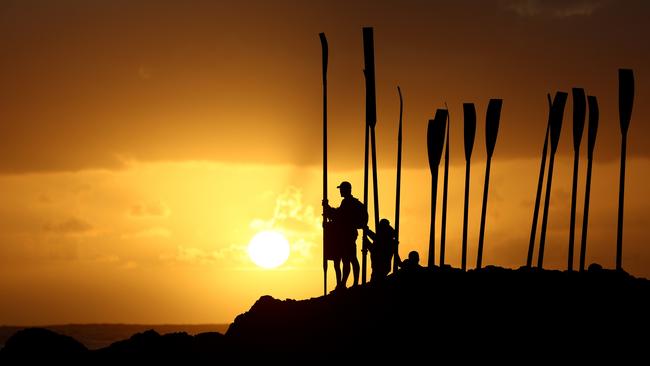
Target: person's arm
329, 210
400, 264
368, 245
370, 233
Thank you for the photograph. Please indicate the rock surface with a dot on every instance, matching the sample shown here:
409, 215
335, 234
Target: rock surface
489, 314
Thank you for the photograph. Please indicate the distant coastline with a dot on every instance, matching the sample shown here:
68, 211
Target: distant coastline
95, 336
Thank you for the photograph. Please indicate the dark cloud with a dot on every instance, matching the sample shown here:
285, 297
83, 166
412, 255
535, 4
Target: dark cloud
72, 225
153, 209
92, 85
554, 8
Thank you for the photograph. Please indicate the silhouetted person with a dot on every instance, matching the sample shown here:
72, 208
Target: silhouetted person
347, 218
412, 263
381, 245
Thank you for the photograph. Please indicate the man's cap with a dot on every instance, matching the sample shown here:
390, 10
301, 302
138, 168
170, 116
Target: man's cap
344, 184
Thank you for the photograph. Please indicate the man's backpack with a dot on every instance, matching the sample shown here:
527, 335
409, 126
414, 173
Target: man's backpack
360, 215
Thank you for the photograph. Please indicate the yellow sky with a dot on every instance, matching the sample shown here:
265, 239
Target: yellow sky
143, 144
166, 242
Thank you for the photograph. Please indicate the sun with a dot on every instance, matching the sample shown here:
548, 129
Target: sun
269, 249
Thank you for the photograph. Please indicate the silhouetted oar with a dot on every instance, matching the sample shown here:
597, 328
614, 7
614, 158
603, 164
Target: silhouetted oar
540, 183
625, 103
399, 178
445, 183
491, 131
469, 114
364, 251
593, 130
323, 42
435, 140
579, 110
555, 118
371, 110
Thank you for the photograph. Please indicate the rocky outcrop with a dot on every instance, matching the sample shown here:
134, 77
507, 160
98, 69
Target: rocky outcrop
32, 344
492, 314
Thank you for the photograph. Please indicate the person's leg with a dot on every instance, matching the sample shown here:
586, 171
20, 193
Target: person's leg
346, 272
337, 271
355, 270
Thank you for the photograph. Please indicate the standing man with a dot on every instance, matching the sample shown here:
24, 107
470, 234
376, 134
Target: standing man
350, 216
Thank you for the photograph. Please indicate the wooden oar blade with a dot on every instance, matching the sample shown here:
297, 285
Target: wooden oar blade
469, 114
436, 138
492, 124
593, 123
323, 43
625, 97
555, 118
401, 102
369, 72
579, 112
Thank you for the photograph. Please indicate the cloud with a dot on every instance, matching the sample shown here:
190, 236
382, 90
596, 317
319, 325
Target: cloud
106, 258
129, 265
70, 226
188, 111
299, 223
149, 210
553, 8
113, 260
145, 73
152, 232
193, 255
44, 198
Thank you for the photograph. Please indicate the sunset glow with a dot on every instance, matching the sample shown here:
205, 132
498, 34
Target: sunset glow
269, 249
170, 152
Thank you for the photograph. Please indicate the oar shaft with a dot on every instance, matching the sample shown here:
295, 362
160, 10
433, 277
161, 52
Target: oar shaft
445, 183
585, 217
465, 215
432, 231
486, 187
364, 257
399, 180
621, 202
375, 188
574, 193
538, 196
325, 56
547, 200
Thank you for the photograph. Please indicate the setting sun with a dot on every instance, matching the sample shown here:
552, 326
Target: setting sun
268, 249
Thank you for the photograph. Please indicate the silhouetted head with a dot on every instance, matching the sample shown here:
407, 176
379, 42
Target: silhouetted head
414, 257
346, 189
384, 226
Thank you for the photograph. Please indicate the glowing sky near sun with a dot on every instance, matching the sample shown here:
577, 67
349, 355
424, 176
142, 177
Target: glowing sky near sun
143, 144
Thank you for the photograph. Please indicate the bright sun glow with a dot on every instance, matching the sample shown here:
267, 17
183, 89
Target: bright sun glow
268, 249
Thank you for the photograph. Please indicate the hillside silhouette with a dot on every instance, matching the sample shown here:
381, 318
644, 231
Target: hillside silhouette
492, 313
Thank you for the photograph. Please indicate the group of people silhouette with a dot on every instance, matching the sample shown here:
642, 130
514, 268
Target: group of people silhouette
342, 227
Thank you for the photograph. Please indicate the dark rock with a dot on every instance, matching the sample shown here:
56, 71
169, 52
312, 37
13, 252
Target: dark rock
595, 267
493, 313
179, 347
31, 344
523, 311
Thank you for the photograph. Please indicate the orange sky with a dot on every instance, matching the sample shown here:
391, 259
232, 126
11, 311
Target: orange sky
142, 144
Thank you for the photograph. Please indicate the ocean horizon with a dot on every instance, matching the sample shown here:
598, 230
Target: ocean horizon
95, 336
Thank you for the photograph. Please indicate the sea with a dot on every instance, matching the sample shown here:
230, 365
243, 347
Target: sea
95, 336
